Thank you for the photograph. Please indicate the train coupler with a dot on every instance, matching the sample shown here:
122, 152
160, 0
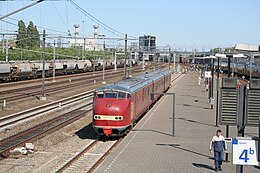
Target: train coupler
107, 132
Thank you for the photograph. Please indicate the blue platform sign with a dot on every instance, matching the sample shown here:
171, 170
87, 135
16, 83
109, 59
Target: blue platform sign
244, 152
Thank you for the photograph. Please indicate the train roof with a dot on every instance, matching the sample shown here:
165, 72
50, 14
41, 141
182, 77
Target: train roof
132, 84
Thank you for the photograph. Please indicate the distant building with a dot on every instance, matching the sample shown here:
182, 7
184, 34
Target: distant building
147, 43
90, 44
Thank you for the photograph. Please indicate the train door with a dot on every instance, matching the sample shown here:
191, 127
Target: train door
135, 104
132, 113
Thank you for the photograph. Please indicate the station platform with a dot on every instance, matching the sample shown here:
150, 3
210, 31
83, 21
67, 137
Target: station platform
150, 146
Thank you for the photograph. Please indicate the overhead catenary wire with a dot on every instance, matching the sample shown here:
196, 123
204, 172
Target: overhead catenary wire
48, 29
60, 17
20, 9
108, 28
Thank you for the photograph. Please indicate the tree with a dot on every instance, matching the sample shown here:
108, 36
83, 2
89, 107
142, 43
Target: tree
33, 36
37, 37
22, 35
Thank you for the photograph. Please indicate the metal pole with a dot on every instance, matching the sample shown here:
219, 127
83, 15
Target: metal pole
169, 68
43, 66
212, 84
3, 45
240, 117
173, 114
227, 135
228, 66
94, 60
104, 62
251, 59
130, 65
143, 63
6, 55
83, 51
174, 62
258, 139
114, 54
54, 57
227, 126
125, 56
217, 95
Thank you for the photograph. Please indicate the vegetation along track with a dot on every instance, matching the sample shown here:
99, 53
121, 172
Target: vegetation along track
42, 129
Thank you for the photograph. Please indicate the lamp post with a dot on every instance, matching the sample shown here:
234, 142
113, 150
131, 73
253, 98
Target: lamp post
173, 108
43, 97
6, 55
104, 63
54, 57
125, 56
94, 59
169, 59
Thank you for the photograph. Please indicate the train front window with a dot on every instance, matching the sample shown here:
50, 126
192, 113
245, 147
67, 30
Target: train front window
100, 94
121, 95
109, 94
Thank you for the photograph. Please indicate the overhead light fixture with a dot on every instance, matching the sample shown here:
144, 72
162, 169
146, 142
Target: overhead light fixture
247, 47
220, 55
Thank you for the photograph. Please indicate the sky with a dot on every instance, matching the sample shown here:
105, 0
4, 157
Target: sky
180, 24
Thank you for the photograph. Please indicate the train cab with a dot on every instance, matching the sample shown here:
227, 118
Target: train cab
111, 107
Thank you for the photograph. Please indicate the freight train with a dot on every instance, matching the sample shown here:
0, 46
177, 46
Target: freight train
241, 67
117, 106
22, 70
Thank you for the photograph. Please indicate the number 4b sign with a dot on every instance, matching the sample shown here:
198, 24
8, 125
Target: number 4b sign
244, 152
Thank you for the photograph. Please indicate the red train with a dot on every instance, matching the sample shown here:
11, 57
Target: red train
118, 106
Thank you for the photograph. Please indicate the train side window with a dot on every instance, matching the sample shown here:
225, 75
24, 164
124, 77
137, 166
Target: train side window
128, 96
100, 94
110, 94
121, 95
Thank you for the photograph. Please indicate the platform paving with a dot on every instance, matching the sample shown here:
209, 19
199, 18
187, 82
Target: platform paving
150, 146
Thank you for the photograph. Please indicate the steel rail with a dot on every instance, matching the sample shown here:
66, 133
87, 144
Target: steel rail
40, 130
7, 120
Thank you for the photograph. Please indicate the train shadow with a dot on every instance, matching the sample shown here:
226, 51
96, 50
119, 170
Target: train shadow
110, 138
87, 132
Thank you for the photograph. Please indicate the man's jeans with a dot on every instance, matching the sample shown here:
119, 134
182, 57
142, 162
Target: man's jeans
218, 156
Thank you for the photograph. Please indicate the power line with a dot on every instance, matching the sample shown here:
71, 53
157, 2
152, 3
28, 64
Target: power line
20, 9
48, 29
60, 17
95, 19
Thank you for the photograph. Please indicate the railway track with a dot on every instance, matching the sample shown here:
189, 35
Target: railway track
41, 130
84, 160
17, 94
92, 155
36, 111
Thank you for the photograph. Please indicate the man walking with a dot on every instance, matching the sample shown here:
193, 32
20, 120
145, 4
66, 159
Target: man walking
199, 79
218, 145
